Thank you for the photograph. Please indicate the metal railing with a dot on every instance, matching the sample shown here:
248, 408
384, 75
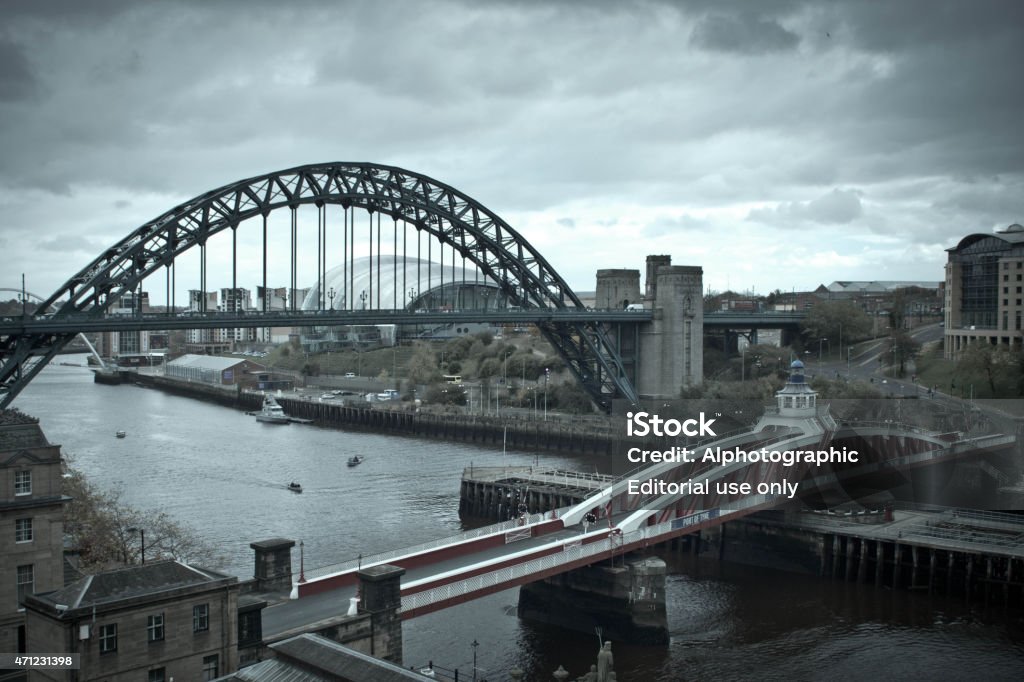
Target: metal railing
382, 557
572, 551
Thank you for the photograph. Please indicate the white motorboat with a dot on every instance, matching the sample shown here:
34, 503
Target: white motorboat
272, 413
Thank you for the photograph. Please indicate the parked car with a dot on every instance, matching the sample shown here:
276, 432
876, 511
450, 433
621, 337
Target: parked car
350, 375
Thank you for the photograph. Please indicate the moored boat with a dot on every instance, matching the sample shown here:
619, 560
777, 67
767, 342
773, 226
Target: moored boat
272, 413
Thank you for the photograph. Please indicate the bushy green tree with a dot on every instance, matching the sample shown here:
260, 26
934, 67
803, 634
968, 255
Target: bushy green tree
422, 366
834, 319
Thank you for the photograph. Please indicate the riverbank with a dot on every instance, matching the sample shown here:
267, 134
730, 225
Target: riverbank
518, 432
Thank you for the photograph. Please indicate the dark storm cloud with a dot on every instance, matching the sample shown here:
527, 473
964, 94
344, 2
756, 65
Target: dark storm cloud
16, 79
541, 109
743, 33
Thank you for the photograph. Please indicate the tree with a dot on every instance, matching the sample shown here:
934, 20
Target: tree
107, 532
842, 321
985, 361
900, 349
422, 366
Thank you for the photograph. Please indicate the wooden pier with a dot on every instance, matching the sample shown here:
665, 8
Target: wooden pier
504, 492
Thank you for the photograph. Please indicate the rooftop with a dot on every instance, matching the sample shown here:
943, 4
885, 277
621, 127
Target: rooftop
130, 582
312, 658
211, 362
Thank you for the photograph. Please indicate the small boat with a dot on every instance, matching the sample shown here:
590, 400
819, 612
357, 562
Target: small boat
120, 434
272, 413
295, 487
355, 460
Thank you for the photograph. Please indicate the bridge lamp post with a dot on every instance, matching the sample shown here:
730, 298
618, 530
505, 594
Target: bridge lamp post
547, 373
412, 295
142, 540
331, 293
362, 297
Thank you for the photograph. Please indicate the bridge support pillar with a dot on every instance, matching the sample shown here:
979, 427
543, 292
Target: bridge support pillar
273, 571
626, 602
671, 346
381, 598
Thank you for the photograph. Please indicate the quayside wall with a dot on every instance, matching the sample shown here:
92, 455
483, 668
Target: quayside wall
554, 435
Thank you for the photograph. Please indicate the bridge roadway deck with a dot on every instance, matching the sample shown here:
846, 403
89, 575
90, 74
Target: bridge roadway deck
286, 616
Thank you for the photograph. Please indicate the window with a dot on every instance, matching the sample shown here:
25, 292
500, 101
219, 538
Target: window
108, 638
26, 582
23, 482
200, 617
23, 530
210, 667
157, 675
155, 628
1006, 278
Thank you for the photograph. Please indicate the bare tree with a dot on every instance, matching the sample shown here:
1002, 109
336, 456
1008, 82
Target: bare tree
107, 532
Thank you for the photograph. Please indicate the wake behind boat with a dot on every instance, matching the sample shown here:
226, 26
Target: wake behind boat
272, 413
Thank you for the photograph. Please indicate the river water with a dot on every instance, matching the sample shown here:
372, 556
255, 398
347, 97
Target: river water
224, 475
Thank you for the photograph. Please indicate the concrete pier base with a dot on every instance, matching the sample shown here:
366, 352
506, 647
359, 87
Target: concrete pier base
626, 602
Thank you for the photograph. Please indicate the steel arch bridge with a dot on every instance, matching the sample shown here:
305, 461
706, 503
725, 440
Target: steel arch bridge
437, 212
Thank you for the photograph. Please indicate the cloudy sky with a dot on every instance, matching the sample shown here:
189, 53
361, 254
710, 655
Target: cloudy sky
777, 144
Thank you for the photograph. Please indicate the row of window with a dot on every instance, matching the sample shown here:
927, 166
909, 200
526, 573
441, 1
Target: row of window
155, 628
211, 670
1006, 266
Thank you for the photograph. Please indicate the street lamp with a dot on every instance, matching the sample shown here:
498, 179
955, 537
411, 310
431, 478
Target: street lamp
547, 373
331, 293
362, 297
820, 341
475, 644
142, 538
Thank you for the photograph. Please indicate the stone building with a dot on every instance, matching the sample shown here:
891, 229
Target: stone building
31, 521
156, 622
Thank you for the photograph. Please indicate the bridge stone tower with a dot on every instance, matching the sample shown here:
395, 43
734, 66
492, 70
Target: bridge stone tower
671, 346
617, 288
651, 283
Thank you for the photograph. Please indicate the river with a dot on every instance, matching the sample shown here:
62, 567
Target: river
224, 475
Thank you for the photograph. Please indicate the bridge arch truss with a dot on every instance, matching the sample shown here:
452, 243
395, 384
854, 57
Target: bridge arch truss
446, 216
